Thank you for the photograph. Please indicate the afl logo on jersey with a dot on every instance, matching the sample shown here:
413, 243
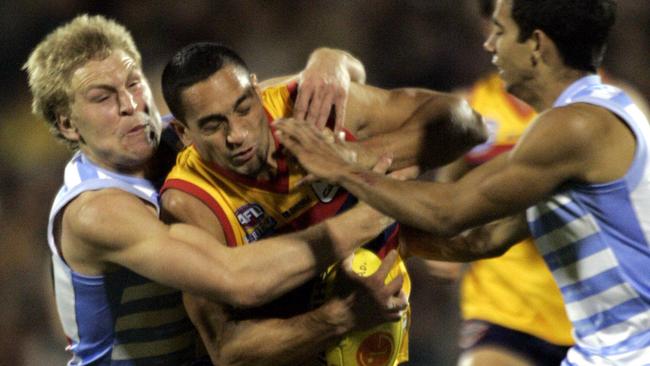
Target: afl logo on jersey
250, 214
254, 221
324, 191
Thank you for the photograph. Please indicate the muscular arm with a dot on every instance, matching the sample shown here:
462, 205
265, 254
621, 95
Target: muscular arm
110, 227
427, 132
414, 126
489, 240
254, 341
577, 143
271, 341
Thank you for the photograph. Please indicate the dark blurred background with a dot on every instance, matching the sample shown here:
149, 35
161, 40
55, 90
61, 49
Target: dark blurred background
434, 44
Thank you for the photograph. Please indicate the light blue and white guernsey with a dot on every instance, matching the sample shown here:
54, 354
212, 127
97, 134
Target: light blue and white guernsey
595, 239
119, 318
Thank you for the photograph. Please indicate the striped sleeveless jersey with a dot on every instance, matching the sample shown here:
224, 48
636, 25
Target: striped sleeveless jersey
119, 318
595, 240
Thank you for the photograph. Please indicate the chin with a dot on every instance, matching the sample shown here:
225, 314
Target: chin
513, 89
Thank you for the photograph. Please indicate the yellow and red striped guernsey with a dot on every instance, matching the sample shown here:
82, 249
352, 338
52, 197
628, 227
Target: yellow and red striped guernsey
515, 290
249, 209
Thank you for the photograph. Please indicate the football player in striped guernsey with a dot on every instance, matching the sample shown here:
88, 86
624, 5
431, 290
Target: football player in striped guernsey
581, 174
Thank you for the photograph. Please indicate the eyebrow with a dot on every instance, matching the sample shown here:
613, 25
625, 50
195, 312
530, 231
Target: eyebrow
220, 117
132, 72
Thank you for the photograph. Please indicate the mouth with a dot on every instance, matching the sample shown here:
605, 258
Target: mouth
243, 156
495, 63
137, 129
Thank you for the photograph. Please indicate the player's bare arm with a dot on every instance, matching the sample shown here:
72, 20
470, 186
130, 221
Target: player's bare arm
291, 341
563, 144
414, 126
278, 341
111, 227
489, 240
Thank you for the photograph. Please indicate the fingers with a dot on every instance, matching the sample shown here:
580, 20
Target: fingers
322, 114
396, 306
302, 102
340, 104
318, 97
382, 164
386, 265
411, 172
395, 285
314, 107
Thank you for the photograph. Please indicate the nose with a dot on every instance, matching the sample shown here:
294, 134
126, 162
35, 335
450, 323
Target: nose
127, 103
237, 132
488, 45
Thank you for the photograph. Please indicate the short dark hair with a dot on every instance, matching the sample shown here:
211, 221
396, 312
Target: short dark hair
192, 64
579, 28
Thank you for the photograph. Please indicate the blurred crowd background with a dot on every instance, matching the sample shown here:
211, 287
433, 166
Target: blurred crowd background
428, 43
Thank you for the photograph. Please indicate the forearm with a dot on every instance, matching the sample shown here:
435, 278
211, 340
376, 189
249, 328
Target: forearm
289, 260
440, 130
352, 65
413, 203
490, 240
276, 342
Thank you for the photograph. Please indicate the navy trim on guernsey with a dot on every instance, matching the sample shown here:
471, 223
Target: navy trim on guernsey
120, 318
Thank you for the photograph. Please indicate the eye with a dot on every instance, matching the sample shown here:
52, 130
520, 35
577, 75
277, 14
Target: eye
134, 83
242, 111
211, 127
99, 98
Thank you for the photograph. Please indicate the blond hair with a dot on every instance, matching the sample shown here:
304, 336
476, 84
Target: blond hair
52, 63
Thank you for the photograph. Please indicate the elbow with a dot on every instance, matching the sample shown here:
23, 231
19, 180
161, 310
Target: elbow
249, 292
247, 297
468, 123
240, 289
454, 127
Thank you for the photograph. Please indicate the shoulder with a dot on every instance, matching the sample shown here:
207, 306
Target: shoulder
567, 139
176, 201
573, 125
99, 217
180, 206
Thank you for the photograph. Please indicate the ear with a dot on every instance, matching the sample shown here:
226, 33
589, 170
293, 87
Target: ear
67, 128
544, 49
181, 131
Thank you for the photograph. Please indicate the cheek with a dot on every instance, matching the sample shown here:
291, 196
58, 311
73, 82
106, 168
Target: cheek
213, 148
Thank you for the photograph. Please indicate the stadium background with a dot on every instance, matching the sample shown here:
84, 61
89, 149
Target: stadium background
434, 44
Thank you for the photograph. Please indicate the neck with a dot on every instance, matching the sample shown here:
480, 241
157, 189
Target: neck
550, 85
138, 171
